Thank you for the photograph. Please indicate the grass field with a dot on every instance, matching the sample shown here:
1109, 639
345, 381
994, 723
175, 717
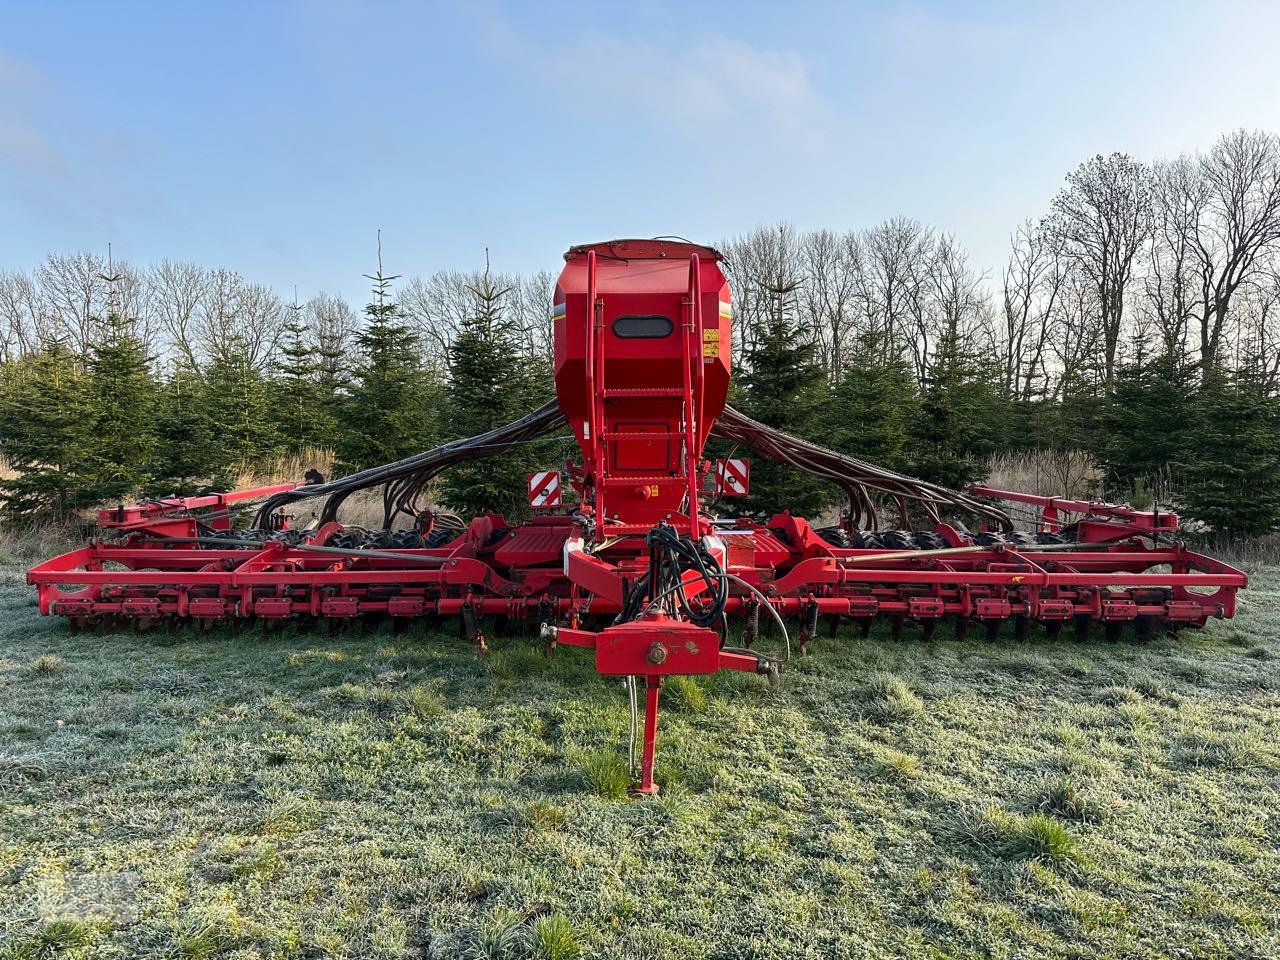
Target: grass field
389, 795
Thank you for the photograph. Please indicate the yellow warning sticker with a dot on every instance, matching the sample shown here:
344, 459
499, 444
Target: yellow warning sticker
710, 344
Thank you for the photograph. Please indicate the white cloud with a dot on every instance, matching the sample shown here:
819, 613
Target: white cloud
711, 92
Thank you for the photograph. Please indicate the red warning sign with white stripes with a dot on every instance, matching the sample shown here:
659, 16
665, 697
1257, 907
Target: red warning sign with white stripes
544, 489
733, 477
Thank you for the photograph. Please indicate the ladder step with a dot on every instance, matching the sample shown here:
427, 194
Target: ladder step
632, 435
641, 481
634, 529
644, 392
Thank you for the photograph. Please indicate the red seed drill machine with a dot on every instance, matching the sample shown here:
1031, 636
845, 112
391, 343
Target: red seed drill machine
638, 570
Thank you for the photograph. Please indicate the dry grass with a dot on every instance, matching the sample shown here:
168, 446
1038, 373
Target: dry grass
1247, 554
284, 467
1047, 473
29, 543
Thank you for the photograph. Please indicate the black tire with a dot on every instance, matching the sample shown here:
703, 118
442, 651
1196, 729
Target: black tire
406, 539
376, 540
896, 540
343, 540
928, 540
836, 536
440, 538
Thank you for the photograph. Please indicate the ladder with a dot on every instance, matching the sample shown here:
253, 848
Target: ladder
690, 393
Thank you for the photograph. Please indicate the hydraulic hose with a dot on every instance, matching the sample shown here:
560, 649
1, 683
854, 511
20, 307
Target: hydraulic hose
855, 477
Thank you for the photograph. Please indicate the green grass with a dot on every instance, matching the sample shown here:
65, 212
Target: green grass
396, 796
887, 697
1068, 798
606, 772
684, 694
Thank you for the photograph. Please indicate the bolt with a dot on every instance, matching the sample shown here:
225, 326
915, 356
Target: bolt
657, 654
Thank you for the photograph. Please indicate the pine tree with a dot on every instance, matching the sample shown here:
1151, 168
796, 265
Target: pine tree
46, 432
334, 377
961, 417
784, 385
301, 412
387, 418
184, 462
1146, 426
238, 402
122, 445
873, 406
1075, 421
489, 385
1233, 460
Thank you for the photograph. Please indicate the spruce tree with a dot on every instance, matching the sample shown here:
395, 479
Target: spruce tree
961, 417
489, 385
302, 415
873, 406
387, 418
238, 402
186, 460
1075, 421
121, 453
46, 432
783, 384
334, 375
1146, 426
1233, 460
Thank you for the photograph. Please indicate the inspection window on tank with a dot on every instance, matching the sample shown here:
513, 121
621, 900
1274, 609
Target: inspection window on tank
646, 326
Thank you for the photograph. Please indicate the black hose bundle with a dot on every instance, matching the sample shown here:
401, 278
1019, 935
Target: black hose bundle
855, 477
670, 556
404, 480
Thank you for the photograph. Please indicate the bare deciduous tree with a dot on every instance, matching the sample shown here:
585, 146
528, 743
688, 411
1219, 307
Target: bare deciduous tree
1171, 281
892, 283
1238, 227
532, 299
177, 291
234, 313
955, 299
437, 306
24, 315
1103, 217
829, 296
762, 267
1033, 280
76, 292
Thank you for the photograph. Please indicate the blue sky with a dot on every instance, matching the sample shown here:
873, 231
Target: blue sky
275, 138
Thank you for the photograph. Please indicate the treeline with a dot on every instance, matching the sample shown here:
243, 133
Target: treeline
1135, 320
90, 421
